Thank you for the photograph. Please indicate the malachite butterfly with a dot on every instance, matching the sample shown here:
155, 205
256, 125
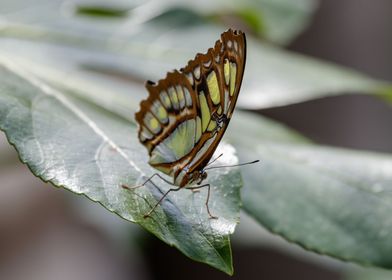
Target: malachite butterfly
186, 114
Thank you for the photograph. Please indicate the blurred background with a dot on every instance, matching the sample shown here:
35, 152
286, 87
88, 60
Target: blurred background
50, 233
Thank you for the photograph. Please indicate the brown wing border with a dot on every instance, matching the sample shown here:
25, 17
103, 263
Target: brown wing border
182, 78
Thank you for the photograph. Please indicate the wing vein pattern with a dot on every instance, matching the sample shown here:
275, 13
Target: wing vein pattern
186, 114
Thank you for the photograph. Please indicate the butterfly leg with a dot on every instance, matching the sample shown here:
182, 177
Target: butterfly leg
148, 214
145, 182
208, 198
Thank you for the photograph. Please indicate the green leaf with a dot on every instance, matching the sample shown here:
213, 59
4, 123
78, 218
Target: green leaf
74, 143
102, 9
328, 200
386, 94
98, 11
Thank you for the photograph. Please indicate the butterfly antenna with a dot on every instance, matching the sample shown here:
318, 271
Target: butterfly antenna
224, 166
211, 162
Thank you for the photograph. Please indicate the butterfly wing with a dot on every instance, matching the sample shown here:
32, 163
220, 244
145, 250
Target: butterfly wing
186, 114
167, 122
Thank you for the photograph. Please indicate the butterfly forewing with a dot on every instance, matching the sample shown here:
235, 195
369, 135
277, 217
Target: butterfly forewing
186, 114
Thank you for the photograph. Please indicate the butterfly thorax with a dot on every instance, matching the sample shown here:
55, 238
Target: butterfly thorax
187, 178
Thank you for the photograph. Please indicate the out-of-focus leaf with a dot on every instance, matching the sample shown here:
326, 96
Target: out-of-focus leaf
368, 274
100, 11
178, 18
332, 201
278, 21
387, 94
71, 142
273, 77
252, 19
276, 77
283, 20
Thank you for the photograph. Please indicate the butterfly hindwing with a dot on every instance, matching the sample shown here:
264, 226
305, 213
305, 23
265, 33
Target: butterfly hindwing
186, 114
167, 121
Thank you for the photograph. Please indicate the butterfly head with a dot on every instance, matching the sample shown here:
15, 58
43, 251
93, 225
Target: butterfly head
201, 176
196, 177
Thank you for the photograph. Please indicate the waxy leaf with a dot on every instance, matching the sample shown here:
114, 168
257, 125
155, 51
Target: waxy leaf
329, 200
73, 143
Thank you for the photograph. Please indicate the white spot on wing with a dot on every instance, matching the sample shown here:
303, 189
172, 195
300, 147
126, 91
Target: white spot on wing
207, 64
196, 72
217, 58
190, 78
